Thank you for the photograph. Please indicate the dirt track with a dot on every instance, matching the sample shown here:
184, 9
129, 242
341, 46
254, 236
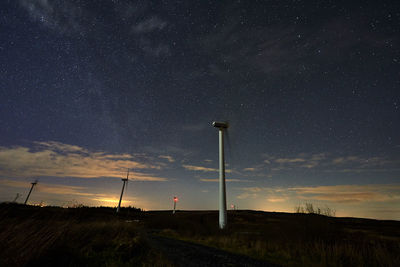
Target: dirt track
183, 253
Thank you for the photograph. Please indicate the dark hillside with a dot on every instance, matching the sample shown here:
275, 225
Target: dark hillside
34, 236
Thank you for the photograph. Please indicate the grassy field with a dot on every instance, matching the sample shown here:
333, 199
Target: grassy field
51, 236
290, 239
98, 237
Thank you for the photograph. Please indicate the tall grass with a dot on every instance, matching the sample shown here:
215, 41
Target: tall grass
71, 237
98, 237
292, 239
310, 209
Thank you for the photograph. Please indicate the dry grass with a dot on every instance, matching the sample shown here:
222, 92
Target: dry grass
98, 237
292, 239
72, 237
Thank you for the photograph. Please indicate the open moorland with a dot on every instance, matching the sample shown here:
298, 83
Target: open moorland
53, 236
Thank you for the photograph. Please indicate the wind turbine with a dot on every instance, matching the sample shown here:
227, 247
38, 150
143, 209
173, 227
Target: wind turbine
124, 180
16, 197
222, 188
30, 191
175, 200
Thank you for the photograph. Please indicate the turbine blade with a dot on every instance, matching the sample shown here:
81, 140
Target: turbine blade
229, 147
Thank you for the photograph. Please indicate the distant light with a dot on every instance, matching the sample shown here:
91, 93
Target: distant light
176, 199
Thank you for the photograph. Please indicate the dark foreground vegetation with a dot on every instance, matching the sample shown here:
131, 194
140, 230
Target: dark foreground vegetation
52, 236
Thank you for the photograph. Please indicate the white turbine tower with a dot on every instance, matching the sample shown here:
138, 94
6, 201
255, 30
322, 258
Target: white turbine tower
222, 189
124, 180
30, 191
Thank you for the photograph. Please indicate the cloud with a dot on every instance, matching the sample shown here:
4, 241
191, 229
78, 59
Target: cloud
152, 48
48, 188
276, 199
78, 18
201, 168
278, 49
169, 158
349, 193
329, 163
146, 29
247, 195
249, 169
289, 160
65, 193
360, 164
250, 193
62, 160
217, 180
343, 160
303, 160
253, 189
149, 25
335, 193
62, 16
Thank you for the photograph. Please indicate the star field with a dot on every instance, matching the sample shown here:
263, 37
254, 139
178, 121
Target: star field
310, 89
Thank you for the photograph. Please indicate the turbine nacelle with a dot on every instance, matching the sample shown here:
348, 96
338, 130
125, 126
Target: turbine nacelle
220, 124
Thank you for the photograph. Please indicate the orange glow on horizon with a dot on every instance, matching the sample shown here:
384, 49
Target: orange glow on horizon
112, 202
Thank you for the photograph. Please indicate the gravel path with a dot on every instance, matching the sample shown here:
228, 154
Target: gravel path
188, 254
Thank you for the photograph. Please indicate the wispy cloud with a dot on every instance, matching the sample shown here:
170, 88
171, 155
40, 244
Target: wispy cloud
62, 16
250, 192
152, 48
302, 160
149, 25
66, 193
199, 168
217, 180
343, 160
48, 188
280, 49
349, 193
169, 158
203, 169
276, 199
330, 163
249, 169
62, 160
145, 28
335, 193
290, 160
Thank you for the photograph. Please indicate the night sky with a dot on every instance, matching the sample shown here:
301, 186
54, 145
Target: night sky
311, 90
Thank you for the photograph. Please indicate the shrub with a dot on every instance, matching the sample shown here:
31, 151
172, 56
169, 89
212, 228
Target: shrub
310, 209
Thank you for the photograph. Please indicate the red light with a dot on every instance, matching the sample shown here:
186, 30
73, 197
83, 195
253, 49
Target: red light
175, 199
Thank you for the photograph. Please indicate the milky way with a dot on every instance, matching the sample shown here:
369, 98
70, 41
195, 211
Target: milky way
311, 90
